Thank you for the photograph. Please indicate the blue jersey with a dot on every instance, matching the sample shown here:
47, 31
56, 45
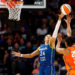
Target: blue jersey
47, 55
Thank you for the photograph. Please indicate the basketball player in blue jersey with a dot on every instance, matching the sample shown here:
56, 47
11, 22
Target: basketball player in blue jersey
46, 52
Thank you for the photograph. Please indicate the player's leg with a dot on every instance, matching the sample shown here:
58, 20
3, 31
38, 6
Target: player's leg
41, 70
50, 70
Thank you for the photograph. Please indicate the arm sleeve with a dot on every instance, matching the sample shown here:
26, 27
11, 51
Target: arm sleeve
56, 29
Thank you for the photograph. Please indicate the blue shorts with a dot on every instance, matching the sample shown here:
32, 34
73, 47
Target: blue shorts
47, 70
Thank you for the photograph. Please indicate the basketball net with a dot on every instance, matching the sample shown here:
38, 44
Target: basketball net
14, 8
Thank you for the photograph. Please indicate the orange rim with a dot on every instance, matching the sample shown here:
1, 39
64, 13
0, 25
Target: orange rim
12, 4
16, 2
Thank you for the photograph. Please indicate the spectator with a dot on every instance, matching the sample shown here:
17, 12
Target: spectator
54, 4
16, 37
9, 48
9, 33
15, 60
3, 50
5, 27
29, 61
41, 32
63, 29
23, 33
23, 61
36, 70
22, 45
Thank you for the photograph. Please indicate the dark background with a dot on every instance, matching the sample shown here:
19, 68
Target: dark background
24, 36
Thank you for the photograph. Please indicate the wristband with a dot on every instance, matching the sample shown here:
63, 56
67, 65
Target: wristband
21, 55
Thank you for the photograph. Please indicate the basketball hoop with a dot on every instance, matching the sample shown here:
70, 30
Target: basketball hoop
14, 8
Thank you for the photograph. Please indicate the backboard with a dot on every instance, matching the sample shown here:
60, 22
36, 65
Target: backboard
30, 4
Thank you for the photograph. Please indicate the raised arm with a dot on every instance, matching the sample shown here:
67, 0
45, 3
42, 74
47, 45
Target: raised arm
31, 55
54, 36
64, 51
60, 50
68, 21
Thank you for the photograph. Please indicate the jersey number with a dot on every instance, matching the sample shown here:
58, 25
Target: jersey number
42, 53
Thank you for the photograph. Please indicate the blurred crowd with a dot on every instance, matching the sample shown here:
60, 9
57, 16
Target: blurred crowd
26, 36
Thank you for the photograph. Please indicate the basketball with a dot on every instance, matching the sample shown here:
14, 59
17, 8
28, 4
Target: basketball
66, 9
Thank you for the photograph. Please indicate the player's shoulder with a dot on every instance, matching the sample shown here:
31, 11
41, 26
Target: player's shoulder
50, 46
71, 48
42, 45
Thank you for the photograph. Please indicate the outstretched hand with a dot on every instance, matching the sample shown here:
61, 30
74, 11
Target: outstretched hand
18, 54
68, 19
61, 16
